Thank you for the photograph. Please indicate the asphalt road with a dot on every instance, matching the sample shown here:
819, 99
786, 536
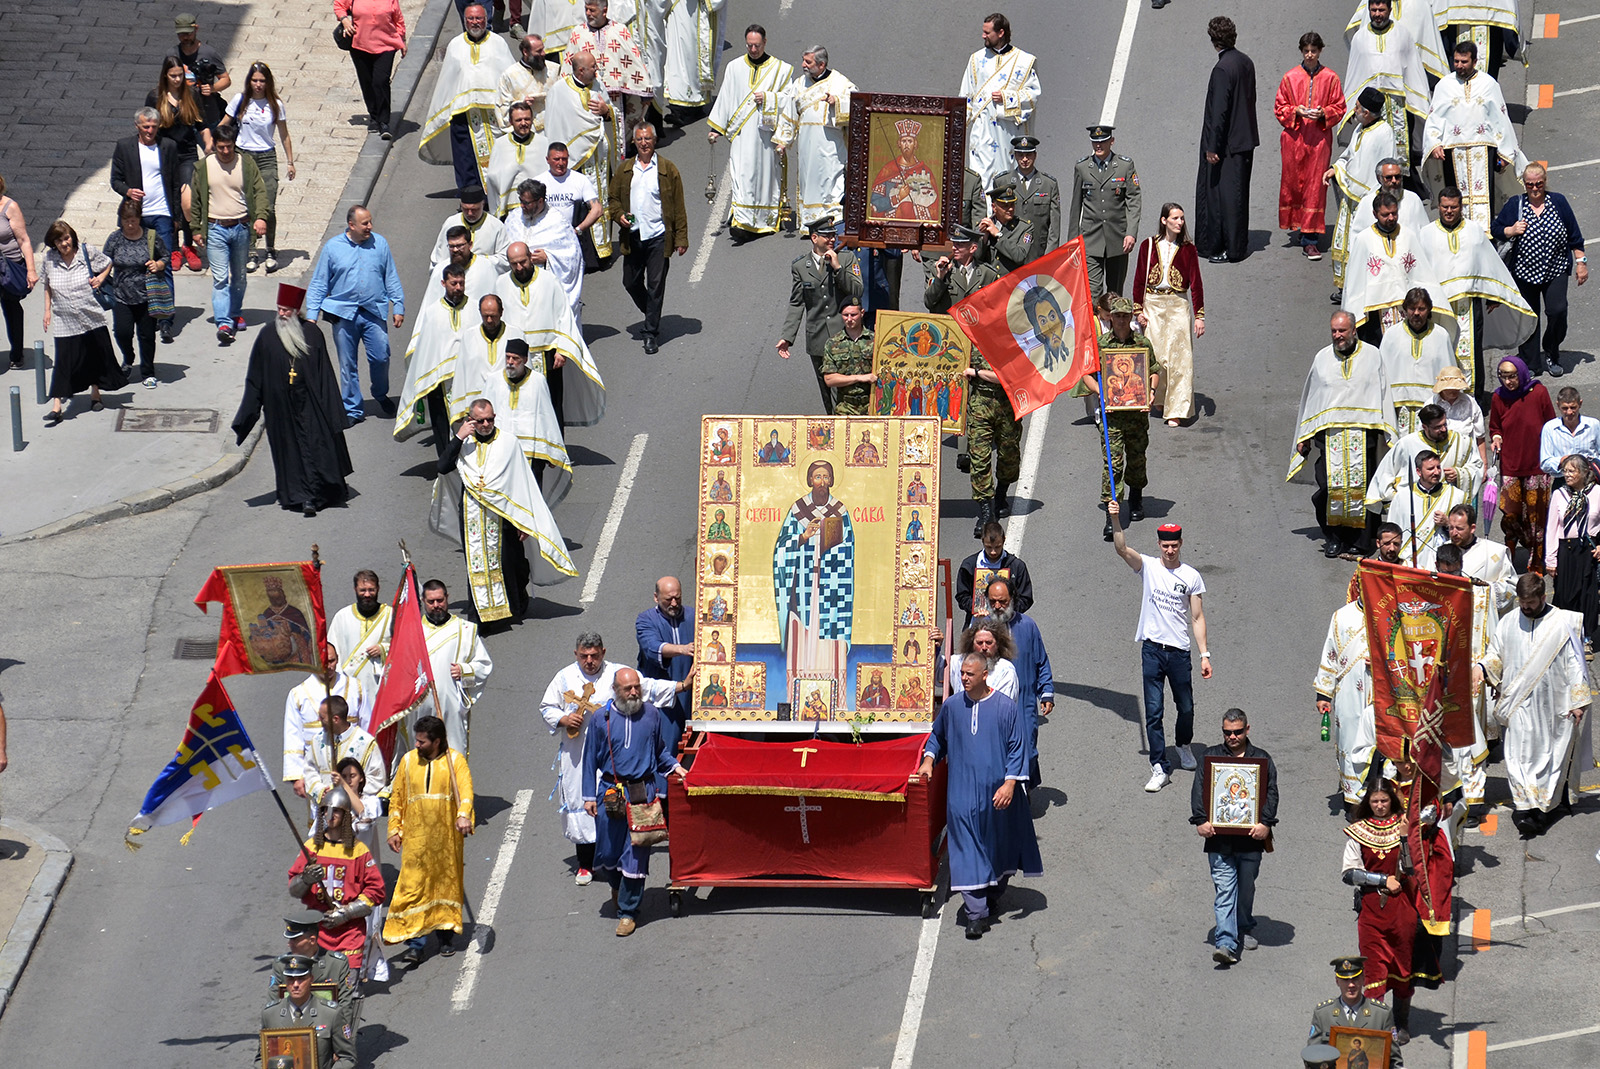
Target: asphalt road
163, 953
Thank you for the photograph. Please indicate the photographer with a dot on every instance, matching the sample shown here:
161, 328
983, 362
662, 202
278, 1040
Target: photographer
203, 65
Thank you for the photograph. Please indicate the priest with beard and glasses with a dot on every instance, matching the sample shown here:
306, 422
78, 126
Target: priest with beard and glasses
292, 383
536, 310
462, 117
747, 113
359, 633
431, 361
485, 482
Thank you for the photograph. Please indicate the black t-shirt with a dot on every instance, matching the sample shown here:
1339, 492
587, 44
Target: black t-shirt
185, 135
203, 65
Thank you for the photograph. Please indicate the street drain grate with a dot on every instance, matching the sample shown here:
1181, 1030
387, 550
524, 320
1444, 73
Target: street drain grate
195, 649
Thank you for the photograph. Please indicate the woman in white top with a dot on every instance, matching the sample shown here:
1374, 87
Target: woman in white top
84, 358
259, 114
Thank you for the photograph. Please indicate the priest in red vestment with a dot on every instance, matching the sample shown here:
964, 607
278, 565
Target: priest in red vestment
1309, 105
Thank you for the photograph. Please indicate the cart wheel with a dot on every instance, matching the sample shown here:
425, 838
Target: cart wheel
675, 903
929, 906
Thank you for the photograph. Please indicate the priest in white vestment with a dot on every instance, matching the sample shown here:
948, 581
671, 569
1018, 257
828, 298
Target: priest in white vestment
1453, 442
619, 64
359, 633
521, 399
536, 310
554, 21
551, 241
1387, 262
1421, 508
349, 740
1419, 18
485, 497
579, 114
1385, 56
482, 356
1476, 281
527, 81
1343, 687
518, 154
1355, 173
484, 228
746, 112
431, 360
1469, 133
814, 123
300, 716
462, 119
1536, 662
1414, 353
481, 272
1002, 89
460, 663
1491, 25
694, 34
579, 689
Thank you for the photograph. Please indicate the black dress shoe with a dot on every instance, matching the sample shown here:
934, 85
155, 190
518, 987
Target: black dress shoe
1336, 297
1330, 549
976, 927
650, 346
309, 510
1105, 532
388, 407
1219, 258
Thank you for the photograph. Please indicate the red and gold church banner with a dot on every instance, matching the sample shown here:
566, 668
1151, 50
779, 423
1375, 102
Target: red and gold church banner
875, 771
272, 617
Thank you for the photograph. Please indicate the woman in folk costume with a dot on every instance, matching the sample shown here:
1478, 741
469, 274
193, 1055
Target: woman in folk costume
1432, 860
1518, 412
1386, 910
1167, 283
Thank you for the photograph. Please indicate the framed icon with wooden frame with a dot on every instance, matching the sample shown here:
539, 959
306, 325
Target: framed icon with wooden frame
1361, 1048
1125, 378
1233, 789
907, 158
297, 1043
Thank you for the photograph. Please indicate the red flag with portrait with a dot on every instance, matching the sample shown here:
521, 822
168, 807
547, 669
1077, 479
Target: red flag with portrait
272, 617
408, 678
1036, 327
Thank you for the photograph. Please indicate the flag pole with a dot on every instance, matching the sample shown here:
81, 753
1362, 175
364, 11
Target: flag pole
416, 592
1411, 483
1105, 434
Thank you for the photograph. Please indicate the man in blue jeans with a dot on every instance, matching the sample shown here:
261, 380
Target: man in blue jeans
357, 284
228, 199
1171, 599
144, 169
1235, 851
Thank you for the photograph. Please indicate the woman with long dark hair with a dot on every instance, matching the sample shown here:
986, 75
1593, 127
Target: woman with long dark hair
183, 123
1386, 910
1167, 283
258, 115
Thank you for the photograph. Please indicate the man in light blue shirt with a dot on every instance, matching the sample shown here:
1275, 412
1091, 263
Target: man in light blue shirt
1572, 432
356, 283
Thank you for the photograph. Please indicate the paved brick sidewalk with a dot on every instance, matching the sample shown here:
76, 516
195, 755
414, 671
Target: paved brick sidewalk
73, 73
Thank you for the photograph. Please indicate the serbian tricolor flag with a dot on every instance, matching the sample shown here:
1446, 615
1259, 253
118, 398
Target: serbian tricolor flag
408, 678
1419, 638
216, 762
1036, 327
272, 618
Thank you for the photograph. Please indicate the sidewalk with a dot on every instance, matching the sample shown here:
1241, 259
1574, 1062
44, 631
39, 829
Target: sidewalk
33, 866
62, 114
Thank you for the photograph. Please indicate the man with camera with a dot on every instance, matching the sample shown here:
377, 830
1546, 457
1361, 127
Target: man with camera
203, 66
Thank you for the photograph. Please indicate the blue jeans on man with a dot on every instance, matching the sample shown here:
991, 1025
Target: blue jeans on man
226, 249
348, 332
629, 891
1234, 877
162, 225
1170, 665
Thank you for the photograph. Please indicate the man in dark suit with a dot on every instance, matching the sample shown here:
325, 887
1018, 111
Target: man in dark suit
823, 278
654, 224
1228, 140
144, 168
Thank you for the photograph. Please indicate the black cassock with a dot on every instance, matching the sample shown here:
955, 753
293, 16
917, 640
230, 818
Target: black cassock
305, 418
1221, 216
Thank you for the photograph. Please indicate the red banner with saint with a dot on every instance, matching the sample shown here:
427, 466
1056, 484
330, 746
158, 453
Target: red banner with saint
1036, 327
1419, 637
272, 617
408, 677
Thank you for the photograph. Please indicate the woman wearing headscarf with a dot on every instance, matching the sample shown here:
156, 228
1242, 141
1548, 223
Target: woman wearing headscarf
1518, 411
1570, 541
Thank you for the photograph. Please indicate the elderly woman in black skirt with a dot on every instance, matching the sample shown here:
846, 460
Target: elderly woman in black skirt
73, 276
1572, 542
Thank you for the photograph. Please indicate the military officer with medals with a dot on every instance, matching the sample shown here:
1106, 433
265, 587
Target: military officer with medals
1038, 196
301, 1008
822, 280
331, 975
1005, 240
1105, 210
1352, 1008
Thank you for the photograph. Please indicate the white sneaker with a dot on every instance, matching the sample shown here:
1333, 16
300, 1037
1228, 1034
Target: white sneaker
1186, 759
1158, 779
583, 878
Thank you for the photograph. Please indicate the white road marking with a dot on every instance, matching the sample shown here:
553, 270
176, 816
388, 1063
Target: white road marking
1545, 1039
1575, 92
462, 997
719, 215
608, 533
905, 1046
1458, 1050
1544, 913
1581, 18
783, 8
1570, 166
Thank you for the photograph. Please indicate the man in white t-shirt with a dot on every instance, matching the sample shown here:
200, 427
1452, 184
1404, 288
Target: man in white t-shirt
1171, 599
565, 189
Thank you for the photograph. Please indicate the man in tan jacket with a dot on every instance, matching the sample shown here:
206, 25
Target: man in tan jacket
654, 225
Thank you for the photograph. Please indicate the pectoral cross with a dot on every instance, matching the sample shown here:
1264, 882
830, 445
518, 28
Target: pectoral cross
291, 373
805, 752
803, 809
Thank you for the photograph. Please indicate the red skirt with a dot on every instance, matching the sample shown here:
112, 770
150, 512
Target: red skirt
1387, 931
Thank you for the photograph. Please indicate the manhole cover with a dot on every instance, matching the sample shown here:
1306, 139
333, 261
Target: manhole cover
195, 649
191, 420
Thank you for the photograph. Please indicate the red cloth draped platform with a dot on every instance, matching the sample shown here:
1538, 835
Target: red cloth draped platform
802, 811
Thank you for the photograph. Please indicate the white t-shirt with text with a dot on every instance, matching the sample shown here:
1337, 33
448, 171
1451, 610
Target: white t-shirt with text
1164, 608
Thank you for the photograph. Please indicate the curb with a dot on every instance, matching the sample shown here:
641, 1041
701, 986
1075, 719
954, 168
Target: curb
358, 188
35, 908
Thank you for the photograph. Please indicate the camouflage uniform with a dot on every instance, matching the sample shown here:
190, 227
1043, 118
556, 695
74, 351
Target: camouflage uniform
994, 436
841, 356
1129, 432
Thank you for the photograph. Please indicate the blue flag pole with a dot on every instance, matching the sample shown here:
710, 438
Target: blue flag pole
1105, 438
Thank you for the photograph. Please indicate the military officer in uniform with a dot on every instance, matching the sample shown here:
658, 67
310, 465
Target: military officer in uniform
1319, 1056
1105, 210
994, 437
847, 362
1004, 239
1128, 430
330, 969
823, 278
1352, 1008
1038, 196
300, 1008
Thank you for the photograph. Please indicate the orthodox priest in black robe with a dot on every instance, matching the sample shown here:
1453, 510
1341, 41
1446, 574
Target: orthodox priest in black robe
292, 380
1228, 140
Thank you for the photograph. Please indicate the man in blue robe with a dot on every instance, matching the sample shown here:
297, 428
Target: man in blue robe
984, 739
1036, 688
813, 580
666, 645
629, 749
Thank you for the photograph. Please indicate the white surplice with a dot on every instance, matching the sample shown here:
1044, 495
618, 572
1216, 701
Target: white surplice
750, 128
1459, 450
1472, 271
510, 164
455, 641
1355, 173
1382, 269
991, 125
813, 133
539, 312
551, 231
352, 635
1345, 678
524, 408
592, 146
469, 84
322, 764
1411, 363
430, 359
300, 716
1420, 19
1538, 665
1469, 121
480, 360
1421, 514
693, 36
488, 241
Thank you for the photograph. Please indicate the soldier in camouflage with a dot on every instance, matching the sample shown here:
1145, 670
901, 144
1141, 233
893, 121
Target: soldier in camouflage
847, 362
1128, 431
